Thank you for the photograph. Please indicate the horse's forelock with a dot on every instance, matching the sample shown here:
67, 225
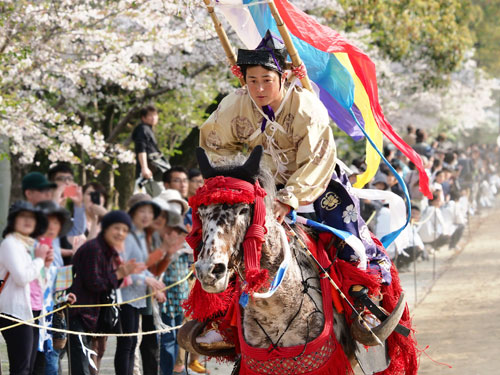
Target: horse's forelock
228, 166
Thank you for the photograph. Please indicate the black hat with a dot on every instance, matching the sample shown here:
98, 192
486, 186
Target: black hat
20, 206
51, 208
114, 217
36, 181
270, 53
140, 199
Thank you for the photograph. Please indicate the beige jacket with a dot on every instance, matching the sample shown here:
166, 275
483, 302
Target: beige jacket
299, 148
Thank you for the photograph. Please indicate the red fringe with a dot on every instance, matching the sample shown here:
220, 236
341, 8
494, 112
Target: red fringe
202, 306
402, 350
346, 275
256, 279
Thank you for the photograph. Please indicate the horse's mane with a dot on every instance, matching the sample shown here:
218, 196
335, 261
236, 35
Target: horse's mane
225, 165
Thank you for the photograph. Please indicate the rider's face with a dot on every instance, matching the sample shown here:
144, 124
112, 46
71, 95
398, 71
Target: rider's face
264, 86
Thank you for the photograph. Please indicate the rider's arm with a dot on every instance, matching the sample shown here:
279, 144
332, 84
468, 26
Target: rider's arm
315, 159
219, 134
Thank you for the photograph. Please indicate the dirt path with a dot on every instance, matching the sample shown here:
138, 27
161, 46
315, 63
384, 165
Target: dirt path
459, 318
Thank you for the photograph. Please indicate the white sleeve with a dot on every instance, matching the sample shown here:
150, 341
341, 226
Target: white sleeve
22, 269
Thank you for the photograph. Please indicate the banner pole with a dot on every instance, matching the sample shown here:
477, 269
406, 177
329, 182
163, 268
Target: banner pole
231, 56
294, 55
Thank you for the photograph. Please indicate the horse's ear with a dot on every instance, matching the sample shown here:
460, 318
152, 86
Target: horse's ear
206, 168
252, 165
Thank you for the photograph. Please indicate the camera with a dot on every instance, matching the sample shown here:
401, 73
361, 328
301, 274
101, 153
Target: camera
95, 197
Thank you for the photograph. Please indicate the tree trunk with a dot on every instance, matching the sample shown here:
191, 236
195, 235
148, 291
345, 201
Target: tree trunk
124, 184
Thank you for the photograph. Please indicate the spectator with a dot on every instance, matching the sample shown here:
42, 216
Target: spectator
434, 231
177, 178
95, 200
18, 269
415, 247
170, 361
421, 146
59, 224
62, 175
195, 181
97, 271
142, 211
37, 188
146, 148
410, 137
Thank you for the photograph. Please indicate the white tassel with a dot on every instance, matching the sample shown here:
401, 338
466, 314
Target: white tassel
157, 316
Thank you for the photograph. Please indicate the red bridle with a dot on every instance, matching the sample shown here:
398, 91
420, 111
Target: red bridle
231, 191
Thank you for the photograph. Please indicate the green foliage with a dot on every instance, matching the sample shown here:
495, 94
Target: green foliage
347, 148
435, 32
180, 112
488, 37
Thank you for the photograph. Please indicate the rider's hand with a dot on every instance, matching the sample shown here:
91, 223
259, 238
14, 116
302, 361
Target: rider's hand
280, 210
146, 173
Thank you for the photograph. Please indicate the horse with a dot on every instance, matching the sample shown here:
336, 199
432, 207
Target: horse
295, 314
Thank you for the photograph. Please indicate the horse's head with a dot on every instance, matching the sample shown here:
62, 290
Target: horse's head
225, 213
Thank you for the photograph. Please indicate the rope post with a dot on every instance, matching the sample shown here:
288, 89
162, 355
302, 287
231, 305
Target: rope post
231, 56
434, 253
292, 51
414, 266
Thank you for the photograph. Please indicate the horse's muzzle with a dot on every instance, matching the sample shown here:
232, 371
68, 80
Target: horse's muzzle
212, 276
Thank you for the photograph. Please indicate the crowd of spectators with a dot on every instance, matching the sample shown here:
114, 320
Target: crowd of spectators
62, 245
463, 181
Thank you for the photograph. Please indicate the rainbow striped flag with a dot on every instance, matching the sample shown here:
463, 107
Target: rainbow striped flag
345, 77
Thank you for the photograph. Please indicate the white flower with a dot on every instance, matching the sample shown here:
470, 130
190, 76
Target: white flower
350, 214
365, 235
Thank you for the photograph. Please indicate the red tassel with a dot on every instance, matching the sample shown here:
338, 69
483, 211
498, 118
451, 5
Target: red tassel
402, 350
256, 280
202, 306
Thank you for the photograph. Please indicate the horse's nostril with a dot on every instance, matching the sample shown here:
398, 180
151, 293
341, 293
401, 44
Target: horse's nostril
219, 270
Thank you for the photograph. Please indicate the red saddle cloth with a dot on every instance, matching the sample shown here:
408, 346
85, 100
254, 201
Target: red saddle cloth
322, 356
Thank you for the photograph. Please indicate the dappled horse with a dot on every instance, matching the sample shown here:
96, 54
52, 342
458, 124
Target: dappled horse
265, 293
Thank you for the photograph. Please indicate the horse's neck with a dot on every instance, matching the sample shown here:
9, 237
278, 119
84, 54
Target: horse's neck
289, 312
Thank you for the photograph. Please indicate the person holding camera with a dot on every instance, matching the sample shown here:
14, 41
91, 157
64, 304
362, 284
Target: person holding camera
68, 190
95, 200
21, 262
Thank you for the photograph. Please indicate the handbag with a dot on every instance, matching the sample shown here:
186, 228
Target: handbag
109, 316
59, 339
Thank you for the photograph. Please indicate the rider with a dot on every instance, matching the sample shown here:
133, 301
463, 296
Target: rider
288, 121
292, 125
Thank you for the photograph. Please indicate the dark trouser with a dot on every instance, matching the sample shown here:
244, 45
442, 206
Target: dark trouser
169, 348
37, 364
125, 346
150, 348
19, 346
442, 240
78, 359
456, 236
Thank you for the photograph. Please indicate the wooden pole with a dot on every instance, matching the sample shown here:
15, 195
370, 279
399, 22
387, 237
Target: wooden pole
231, 56
294, 55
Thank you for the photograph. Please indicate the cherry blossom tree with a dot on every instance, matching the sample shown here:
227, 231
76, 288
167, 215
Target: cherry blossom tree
74, 74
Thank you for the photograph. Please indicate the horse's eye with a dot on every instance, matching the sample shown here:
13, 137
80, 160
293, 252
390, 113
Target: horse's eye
243, 211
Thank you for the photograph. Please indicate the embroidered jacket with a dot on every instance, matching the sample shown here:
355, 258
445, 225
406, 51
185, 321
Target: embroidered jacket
298, 145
